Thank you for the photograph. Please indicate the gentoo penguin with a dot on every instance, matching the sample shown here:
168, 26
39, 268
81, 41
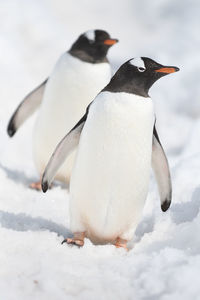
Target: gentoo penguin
76, 79
117, 140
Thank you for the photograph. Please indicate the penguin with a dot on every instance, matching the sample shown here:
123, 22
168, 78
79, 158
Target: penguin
77, 77
117, 143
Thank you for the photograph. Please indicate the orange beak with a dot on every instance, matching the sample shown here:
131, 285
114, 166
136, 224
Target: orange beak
110, 42
168, 70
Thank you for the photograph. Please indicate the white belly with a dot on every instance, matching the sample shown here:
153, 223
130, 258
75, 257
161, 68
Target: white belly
109, 183
71, 87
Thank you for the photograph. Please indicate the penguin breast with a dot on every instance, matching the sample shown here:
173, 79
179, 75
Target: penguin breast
73, 84
110, 179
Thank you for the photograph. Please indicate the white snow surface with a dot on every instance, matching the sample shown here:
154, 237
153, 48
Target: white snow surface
164, 260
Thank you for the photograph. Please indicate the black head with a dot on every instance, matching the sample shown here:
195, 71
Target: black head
137, 75
92, 46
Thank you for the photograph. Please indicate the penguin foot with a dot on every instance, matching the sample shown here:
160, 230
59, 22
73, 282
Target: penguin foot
120, 243
36, 186
73, 241
77, 240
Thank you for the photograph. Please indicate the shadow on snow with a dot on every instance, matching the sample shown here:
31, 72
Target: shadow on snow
23, 222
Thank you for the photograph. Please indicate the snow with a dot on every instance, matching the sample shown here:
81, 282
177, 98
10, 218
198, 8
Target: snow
164, 259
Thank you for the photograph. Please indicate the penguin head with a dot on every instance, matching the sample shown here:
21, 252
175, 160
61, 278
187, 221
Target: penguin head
149, 70
137, 75
92, 46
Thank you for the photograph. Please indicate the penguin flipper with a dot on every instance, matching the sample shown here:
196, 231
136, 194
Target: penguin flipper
63, 149
26, 108
161, 171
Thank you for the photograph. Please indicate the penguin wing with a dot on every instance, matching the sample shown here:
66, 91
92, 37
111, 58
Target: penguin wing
63, 149
161, 171
26, 108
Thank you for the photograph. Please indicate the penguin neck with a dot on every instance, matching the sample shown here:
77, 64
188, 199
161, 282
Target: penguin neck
134, 86
93, 57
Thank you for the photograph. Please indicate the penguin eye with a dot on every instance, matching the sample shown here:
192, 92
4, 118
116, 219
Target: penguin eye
140, 69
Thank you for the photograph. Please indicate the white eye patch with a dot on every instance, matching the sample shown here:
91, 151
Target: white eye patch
90, 34
138, 62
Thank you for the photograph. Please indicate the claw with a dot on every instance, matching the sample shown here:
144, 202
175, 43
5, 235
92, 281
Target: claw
64, 241
77, 240
73, 241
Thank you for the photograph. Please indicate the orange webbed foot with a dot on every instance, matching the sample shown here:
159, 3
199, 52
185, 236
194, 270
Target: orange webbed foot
36, 186
77, 240
121, 243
